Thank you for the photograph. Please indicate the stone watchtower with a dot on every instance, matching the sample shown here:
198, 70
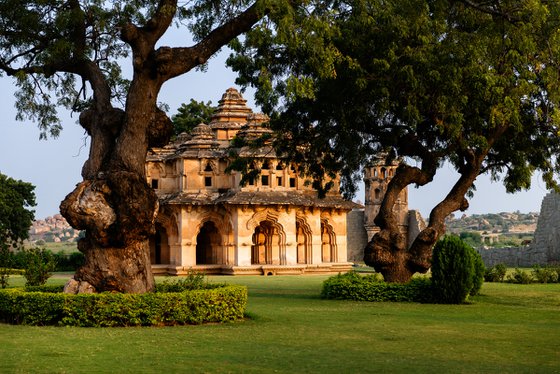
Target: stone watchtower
377, 177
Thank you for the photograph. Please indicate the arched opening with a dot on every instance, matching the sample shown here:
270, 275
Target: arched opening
159, 246
303, 239
268, 245
377, 194
207, 244
328, 246
383, 173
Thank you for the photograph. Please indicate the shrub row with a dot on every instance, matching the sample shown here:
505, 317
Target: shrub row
546, 274
352, 286
222, 304
457, 272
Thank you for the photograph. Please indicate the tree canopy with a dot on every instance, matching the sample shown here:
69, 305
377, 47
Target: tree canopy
16, 215
474, 84
68, 55
192, 114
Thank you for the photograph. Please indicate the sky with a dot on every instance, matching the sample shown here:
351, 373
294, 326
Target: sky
54, 165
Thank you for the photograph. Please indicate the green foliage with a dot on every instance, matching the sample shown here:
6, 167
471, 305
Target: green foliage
496, 273
519, 277
219, 304
455, 272
474, 239
39, 265
68, 262
30, 308
432, 81
479, 271
16, 200
5, 264
546, 274
353, 286
194, 280
191, 114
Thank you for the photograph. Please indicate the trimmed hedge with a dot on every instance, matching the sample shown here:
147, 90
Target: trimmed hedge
352, 286
221, 304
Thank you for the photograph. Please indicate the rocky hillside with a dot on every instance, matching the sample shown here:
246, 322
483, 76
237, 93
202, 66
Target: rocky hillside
53, 229
497, 229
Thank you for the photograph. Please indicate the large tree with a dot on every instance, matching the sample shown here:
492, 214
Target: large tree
191, 115
471, 83
66, 54
17, 198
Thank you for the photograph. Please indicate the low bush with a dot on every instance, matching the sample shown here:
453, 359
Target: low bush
479, 271
194, 280
520, 277
545, 275
6, 265
496, 273
221, 304
39, 265
353, 286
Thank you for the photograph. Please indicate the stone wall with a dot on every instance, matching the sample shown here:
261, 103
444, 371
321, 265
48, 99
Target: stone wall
526, 256
415, 224
547, 235
357, 238
356, 235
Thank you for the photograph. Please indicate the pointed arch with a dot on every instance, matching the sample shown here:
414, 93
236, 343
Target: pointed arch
212, 235
329, 249
268, 240
304, 240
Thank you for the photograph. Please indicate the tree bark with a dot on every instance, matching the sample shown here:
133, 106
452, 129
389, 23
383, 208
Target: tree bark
114, 203
388, 250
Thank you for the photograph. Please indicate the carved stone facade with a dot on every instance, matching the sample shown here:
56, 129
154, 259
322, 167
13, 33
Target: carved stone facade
207, 221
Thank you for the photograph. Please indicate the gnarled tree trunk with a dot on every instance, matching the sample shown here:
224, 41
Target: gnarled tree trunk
114, 204
388, 250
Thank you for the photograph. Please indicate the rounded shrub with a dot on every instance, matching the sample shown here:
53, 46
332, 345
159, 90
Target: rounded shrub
455, 272
479, 271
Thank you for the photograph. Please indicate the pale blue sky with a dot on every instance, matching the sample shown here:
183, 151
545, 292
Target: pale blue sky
54, 166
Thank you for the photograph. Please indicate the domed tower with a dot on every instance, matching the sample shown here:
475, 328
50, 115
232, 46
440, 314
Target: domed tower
230, 116
377, 177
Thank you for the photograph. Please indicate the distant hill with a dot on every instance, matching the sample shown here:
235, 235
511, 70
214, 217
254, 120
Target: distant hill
53, 229
494, 229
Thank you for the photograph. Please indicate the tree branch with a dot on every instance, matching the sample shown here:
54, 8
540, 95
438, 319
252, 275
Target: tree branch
491, 10
176, 61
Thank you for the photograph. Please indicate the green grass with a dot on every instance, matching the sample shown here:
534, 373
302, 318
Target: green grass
508, 329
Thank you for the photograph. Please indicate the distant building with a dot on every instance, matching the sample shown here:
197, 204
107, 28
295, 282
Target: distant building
273, 225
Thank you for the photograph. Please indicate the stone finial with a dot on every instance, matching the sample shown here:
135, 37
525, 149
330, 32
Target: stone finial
202, 137
232, 111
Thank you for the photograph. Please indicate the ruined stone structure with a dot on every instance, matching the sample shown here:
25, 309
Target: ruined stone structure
545, 247
275, 224
546, 243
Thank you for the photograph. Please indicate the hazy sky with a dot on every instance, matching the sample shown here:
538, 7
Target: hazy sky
54, 165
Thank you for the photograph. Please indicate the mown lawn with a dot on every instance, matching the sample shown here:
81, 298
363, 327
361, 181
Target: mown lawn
509, 329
